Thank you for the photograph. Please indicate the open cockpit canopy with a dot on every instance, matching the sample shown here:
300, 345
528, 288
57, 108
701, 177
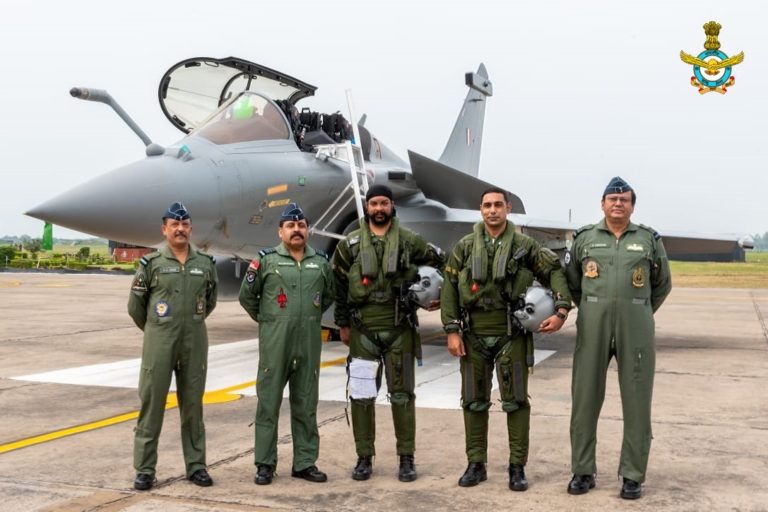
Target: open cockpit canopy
193, 89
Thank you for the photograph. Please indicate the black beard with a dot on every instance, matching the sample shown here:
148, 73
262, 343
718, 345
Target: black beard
377, 222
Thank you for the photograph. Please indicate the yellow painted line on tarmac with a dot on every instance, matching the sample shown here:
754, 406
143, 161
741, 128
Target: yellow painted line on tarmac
210, 397
53, 285
9, 284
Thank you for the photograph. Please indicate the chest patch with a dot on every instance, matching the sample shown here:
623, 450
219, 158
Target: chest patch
196, 271
590, 270
284, 264
169, 270
162, 309
638, 277
311, 265
635, 248
592, 246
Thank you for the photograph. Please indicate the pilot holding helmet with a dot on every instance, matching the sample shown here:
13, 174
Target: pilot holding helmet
173, 292
487, 272
286, 289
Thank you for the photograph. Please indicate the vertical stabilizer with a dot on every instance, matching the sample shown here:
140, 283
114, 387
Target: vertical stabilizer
463, 149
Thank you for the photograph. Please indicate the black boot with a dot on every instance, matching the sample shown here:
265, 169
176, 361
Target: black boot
264, 474
581, 484
144, 482
407, 469
363, 469
474, 474
631, 490
517, 481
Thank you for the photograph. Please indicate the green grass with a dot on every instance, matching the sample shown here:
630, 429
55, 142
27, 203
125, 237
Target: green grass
751, 274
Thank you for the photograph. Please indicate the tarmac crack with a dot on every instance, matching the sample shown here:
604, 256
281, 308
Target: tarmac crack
760, 317
59, 334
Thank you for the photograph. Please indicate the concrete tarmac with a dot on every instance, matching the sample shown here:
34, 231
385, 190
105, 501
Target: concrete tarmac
710, 449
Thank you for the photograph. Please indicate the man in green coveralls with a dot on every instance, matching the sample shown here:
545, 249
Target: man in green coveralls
173, 292
286, 289
619, 276
486, 274
373, 267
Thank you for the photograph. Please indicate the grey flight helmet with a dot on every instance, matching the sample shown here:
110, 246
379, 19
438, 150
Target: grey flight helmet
539, 304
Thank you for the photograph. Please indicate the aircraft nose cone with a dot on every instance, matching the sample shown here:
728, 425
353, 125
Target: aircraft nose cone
125, 204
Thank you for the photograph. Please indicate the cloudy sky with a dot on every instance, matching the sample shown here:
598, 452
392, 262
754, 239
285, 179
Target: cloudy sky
583, 91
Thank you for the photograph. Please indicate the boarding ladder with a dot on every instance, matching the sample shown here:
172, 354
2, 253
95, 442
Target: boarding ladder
350, 153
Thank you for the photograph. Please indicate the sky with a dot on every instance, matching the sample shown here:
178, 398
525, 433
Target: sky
583, 91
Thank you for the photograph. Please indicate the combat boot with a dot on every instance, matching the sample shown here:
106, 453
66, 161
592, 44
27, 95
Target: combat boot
264, 474
631, 490
581, 484
474, 474
407, 469
144, 482
517, 481
363, 469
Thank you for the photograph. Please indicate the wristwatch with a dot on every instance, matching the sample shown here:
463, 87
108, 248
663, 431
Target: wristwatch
561, 316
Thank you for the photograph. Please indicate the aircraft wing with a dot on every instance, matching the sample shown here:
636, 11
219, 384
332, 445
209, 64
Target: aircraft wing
445, 226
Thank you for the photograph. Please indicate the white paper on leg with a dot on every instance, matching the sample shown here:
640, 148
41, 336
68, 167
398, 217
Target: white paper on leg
362, 378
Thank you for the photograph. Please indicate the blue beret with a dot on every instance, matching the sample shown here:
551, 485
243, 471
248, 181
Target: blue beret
292, 212
617, 186
176, 211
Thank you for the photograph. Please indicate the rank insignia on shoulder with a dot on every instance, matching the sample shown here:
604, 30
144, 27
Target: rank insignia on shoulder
264, 252
590, 270
162, 309
323, 254
354, 240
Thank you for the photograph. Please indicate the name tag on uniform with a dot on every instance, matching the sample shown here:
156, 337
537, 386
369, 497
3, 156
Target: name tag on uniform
598, 245
285, 264
311, 265
196, 271
635, 248
170, 270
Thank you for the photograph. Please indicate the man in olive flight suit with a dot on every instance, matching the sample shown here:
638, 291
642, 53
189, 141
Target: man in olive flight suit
619, 276
373, 267
286, 289
486, 274
173, 292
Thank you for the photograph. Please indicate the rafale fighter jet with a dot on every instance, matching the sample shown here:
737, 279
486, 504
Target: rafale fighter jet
250, 149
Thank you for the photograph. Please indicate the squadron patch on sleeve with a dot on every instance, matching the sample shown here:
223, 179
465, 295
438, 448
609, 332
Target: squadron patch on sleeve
568, 258
139, 283
316, 300
199, 306
250, 276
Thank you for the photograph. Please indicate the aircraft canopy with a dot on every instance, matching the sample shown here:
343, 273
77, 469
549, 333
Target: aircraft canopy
193, 89
246, 117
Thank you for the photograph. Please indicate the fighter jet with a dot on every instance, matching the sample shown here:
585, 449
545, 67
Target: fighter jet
249, 150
